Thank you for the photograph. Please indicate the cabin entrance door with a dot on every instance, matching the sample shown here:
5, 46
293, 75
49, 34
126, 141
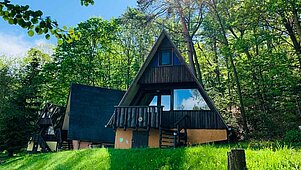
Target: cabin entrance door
140, 139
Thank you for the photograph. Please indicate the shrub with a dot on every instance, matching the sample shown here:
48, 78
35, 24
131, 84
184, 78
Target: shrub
293, 136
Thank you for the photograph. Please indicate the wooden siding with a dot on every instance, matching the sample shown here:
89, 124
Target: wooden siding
166, 74
198, 136
153, 117
136, 117
197, 119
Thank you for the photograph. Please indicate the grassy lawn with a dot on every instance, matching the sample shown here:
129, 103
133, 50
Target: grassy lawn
200, 157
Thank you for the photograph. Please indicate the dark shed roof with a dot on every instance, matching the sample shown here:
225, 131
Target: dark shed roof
90, 110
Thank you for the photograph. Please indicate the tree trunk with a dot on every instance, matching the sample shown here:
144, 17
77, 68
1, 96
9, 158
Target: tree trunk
242, 106
10, 153
198, 68
230, 55
128, 45
290, 30
216, 70
296, 20
187, 38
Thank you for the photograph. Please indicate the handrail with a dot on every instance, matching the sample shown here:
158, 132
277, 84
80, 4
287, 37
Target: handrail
177, 139
151, 116
138, 106
180, 120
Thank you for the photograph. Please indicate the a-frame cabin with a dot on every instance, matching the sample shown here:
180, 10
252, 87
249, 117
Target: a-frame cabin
165, 105
48, 137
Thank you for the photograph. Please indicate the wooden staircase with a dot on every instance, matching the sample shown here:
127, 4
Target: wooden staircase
175, 137
171, 138
66, 145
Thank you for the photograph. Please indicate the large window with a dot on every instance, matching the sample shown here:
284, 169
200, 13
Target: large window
165, 101
189, 99
165, 57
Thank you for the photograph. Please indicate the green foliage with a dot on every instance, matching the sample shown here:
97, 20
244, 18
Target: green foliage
20, 102
201, 157
267, 66
35, 21
92, 60
293, 136
248, 51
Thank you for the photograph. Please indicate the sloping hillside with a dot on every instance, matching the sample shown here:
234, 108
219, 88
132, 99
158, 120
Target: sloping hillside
202, 157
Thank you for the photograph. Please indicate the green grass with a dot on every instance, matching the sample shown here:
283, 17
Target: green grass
201, 157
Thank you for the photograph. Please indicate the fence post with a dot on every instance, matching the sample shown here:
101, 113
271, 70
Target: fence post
237, 159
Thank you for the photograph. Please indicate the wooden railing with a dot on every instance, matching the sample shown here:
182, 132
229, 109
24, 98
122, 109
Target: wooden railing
197, 119
154, 117
137, 117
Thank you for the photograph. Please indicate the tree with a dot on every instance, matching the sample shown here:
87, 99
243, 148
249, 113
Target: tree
135, 38
190, 15
87, 61
18, 112
34, 21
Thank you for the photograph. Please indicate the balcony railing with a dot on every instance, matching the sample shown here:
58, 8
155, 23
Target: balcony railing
154, 117
196, 119
136, 117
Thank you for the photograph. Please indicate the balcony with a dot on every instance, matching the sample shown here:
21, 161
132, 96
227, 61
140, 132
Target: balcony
154, 117
136, 117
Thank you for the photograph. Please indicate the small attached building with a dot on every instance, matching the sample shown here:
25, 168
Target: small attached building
166, 106
88, 110
48, 136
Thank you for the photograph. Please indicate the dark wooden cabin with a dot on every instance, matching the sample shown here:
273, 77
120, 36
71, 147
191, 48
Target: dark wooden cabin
166, 106
88, 110
48, 137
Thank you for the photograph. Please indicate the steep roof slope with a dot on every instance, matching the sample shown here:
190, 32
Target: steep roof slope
135, 85
90, 109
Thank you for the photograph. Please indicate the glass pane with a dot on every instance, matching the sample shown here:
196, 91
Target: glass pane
154, 101
165, 101
189, 99
166, 57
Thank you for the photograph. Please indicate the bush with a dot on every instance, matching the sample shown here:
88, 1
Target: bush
293, 136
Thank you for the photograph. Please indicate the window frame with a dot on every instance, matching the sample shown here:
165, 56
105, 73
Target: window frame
160, 57
192, 88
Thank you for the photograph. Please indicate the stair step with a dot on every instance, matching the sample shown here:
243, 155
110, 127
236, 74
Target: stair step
165, 141
168, 137
167, 133
66, 145
166, 128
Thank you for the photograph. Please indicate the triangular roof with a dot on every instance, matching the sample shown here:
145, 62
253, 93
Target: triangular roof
89, 108
134, 87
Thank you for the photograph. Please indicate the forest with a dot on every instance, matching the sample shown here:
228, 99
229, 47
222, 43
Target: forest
246, 54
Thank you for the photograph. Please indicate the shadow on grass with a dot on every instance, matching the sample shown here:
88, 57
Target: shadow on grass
203, 157
146, 158
9, 160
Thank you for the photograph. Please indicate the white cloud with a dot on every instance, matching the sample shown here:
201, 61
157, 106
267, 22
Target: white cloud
16, 46
190, 103
13, 46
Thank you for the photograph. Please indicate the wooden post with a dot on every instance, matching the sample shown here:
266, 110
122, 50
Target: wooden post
237, 159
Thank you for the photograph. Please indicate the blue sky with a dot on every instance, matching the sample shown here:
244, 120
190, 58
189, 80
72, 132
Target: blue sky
14, 40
